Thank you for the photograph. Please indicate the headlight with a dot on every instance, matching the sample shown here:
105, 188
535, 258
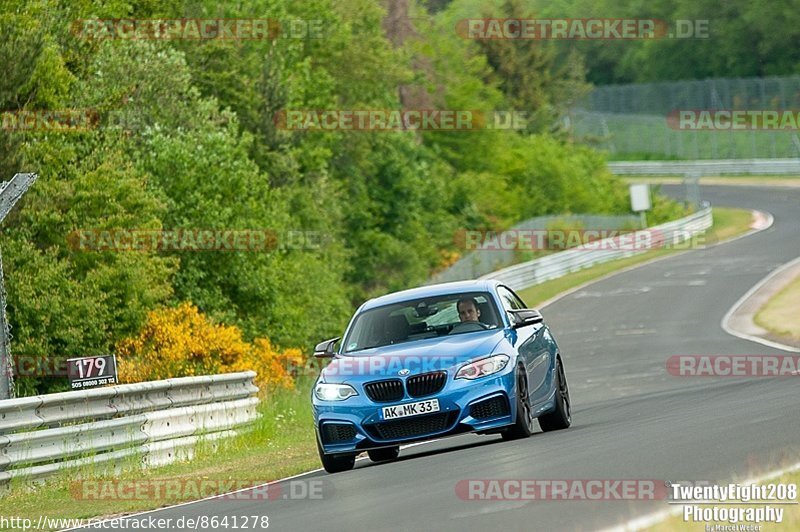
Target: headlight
482, 367
333, 392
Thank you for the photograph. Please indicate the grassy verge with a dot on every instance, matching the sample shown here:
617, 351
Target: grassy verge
728, 223
790, 521
280, 444
649, 137
781, 314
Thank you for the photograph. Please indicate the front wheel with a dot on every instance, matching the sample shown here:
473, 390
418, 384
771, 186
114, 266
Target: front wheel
336, 463
561, 417
523, 427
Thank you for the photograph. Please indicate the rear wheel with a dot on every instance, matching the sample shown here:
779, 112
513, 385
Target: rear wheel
335, 463
523, 427
382, 455
561, 417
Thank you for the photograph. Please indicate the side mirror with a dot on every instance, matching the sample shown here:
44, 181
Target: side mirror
525, 316
325, 349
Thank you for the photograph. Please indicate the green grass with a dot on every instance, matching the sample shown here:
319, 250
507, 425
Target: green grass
280, 444
632, 137
641, 156
728, 223
781, 314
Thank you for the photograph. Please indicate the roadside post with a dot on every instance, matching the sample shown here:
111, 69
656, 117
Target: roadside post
10, 192
640, 201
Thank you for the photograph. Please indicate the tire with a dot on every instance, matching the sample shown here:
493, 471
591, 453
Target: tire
385, 454
523, 426
336, 463
561, 417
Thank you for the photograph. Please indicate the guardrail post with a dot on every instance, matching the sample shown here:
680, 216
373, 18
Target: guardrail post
692, 182
6, 366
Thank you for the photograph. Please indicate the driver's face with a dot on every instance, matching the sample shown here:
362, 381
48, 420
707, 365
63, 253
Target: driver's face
468, 312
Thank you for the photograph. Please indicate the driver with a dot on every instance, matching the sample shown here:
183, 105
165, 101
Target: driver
468, 309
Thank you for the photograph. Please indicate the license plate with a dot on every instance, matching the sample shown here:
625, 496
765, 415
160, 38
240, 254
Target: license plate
410, 409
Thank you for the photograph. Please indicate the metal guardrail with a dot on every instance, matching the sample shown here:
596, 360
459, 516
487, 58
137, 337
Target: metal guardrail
521, 276
155, 422
708, 167
483, 261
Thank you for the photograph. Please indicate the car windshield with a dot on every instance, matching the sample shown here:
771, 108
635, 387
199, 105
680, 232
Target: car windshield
422, 318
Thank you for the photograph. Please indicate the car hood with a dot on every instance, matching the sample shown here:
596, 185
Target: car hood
412, 358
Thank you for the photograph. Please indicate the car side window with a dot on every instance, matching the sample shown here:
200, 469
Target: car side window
508, 299
517, 299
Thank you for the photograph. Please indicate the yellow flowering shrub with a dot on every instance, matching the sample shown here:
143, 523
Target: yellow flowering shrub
447, 258
181, 342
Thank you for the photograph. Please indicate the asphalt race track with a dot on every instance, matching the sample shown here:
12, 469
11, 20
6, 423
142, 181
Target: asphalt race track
631, 419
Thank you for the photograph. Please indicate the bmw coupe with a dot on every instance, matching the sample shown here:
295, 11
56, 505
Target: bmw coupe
436, 361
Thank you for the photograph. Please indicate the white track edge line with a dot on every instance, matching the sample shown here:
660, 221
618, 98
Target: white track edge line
726, 319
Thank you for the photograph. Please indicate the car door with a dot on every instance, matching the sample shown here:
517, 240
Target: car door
533, 347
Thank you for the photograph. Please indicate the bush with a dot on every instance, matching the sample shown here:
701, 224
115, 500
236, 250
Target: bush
182, 342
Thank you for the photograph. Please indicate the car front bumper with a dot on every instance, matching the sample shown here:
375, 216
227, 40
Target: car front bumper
355, 424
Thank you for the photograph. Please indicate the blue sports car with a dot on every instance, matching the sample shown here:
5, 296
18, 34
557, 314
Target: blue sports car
437, 361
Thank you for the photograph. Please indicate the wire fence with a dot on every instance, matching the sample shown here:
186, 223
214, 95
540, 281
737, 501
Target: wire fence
632, 121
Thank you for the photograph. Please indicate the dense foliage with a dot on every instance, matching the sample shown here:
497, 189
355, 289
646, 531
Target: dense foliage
734, 38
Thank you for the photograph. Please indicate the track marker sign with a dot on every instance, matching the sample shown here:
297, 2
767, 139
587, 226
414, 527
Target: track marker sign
88, 372
640, 201
640, 197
